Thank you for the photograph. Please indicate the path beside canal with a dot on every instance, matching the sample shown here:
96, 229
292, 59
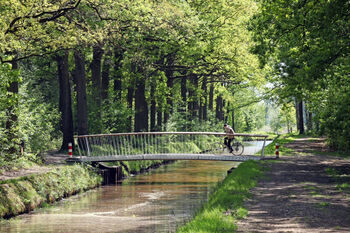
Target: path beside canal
50, 161
306, 191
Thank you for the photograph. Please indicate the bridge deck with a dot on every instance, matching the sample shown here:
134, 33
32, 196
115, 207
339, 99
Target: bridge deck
211, 157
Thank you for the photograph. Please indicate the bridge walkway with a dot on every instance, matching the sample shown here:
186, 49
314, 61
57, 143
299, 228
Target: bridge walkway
166, 146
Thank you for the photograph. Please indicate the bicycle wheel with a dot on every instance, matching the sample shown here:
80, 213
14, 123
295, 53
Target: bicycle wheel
218, 148
237, 148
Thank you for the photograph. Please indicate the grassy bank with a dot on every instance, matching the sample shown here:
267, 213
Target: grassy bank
26, 193
281, 140
225, 205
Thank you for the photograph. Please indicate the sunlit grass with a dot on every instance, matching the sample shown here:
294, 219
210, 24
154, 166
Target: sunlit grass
281, 140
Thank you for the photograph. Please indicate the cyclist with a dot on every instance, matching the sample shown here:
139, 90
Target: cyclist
229, 138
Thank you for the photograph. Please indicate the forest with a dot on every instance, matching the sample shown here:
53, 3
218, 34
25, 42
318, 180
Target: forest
78, 67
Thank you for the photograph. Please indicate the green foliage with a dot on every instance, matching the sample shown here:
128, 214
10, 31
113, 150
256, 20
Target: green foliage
305, 44
335, 118
226, 203
37, 122
158, 41
281, 140
37, 117
183, 121
115, 117
9, 140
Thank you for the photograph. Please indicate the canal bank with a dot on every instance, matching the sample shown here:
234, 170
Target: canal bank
23, 194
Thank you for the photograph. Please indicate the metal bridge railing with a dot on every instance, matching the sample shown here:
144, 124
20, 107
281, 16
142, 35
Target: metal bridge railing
151, 143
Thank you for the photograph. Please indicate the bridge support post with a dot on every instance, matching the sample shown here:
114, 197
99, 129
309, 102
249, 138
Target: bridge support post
110, 174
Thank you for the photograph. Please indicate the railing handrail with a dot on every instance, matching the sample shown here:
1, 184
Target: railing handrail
172, 133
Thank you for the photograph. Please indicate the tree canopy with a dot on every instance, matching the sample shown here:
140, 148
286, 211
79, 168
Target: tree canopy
307, 43
81, 67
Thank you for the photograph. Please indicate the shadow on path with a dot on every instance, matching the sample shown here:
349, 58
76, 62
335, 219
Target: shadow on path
297, 195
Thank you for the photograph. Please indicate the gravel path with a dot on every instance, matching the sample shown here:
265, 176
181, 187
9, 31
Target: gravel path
297, 195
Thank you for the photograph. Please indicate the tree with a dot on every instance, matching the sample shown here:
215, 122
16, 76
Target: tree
65, 104
80, 86
311, 38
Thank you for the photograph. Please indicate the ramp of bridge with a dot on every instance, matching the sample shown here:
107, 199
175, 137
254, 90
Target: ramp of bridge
165, 146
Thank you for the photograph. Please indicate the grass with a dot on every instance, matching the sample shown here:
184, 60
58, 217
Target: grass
16, 164
26, 193
323, 204
334, 153
336, 175
225, 205
281, 140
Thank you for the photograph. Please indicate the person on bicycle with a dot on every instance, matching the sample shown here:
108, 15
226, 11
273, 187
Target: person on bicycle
229, 138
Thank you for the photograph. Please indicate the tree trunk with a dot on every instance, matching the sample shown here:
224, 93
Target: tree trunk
195, 97
193, 106
141, 109
105, 77
130, 97
219, 108
65, 102
190, 107
96, 86
300, 116
211, 96
117, 77
80, 87
308, 119
153, 107
183, 94
170, 82
159, 119
203, 102
233, 120
169, 100
12, 118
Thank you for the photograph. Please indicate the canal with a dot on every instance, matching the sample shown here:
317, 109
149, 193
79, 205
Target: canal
157, 201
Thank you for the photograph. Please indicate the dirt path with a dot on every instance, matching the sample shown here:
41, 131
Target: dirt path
297, 195
50, 159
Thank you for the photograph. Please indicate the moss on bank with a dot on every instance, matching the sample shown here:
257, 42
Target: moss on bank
26, 193
225, 205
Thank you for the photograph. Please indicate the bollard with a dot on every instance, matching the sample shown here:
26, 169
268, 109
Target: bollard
70, 149
277, 151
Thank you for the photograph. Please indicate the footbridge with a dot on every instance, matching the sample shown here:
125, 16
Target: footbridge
166, 146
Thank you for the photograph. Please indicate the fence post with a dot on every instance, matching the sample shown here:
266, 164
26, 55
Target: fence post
70, 149
277, 151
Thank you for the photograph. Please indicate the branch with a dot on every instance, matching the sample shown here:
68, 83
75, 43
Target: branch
250, 103
33, 55
54, 15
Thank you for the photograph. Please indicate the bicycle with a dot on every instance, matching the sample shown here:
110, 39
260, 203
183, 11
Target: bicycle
220, 147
